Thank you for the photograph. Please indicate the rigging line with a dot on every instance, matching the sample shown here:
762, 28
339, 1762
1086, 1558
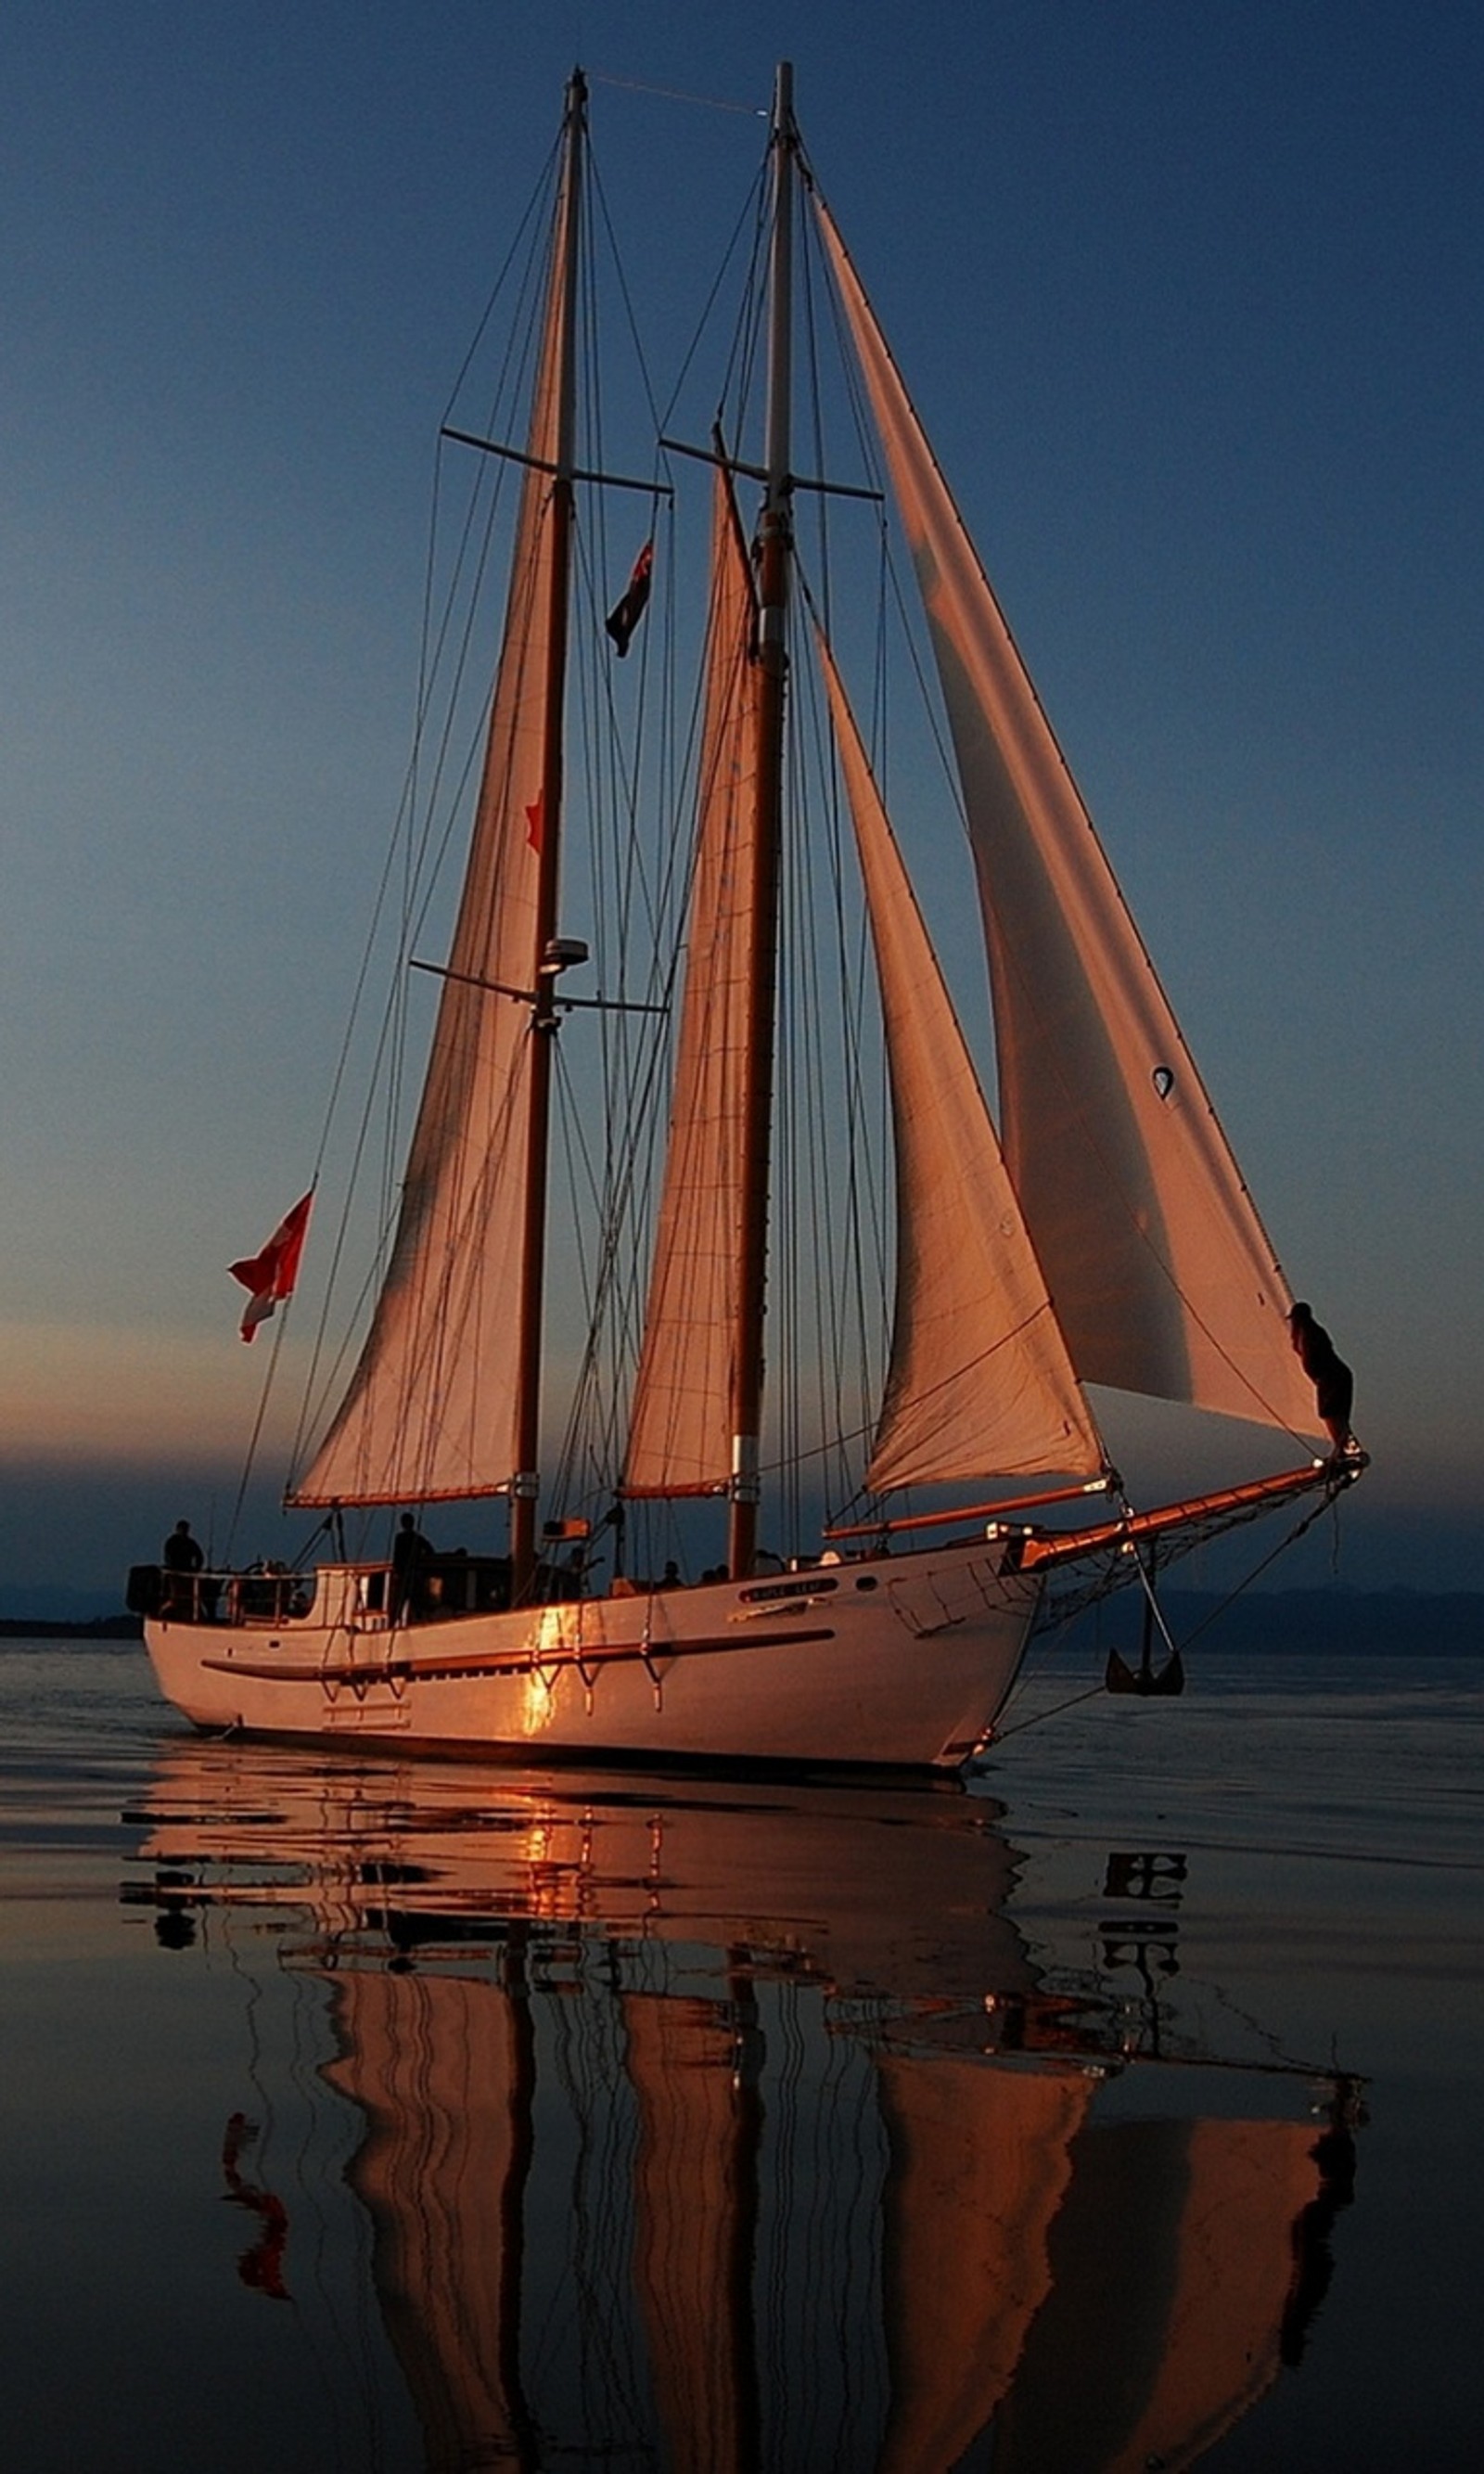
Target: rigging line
518, 348
1039, 1717
255, 1434
391, 1030
598, 689
677, 94
522, 592
1029, 994
1165, 1267
599, 206
539, 199
431, 646
1072, 1098
748, 213
808, 1135
512, 378
1330, 1503
468, 598
648, 1073
864, 1155
861, 1204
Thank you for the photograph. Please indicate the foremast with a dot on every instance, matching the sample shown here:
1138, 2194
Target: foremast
774, 548
444, 1401
526, 1483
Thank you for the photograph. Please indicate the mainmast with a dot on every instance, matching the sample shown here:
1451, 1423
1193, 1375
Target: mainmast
775, 543
547, 824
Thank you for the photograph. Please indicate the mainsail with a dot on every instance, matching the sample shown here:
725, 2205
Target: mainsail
980, 1381
432, 1407
1163, 1277
680, 1436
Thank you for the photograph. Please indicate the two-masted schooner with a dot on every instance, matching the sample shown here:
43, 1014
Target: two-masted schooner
1103, 1235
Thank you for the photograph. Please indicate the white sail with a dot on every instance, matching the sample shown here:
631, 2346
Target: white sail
431, 1409
680, 1438
979, 1379
1163, 1277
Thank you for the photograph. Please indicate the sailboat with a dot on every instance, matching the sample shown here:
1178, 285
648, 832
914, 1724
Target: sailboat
725, 2124
1101, 1234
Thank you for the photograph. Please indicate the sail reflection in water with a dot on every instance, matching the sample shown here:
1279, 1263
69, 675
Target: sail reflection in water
732, 2126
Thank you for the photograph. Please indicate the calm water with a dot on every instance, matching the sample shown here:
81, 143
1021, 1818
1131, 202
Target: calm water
1123, 2112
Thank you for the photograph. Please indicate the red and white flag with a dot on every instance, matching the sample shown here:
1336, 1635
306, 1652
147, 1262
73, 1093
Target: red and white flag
271, 1274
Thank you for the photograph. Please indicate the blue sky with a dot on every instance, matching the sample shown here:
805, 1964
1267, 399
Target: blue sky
1190, 300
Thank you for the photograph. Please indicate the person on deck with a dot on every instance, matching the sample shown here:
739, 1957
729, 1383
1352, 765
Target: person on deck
183, 1558
410, 1553
1334, 1385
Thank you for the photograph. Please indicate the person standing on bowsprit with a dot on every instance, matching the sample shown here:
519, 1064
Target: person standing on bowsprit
1334, 1385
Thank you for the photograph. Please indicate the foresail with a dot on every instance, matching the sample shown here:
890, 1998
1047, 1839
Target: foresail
431, 1410
1164, 1279
980, 1381
680, 1438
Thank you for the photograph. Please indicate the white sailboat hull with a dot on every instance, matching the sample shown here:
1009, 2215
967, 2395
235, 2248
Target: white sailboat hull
897, 1661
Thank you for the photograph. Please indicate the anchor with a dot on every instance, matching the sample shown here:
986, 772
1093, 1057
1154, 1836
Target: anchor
1169, 1680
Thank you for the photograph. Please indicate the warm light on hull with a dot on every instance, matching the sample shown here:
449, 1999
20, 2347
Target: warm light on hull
898, 1661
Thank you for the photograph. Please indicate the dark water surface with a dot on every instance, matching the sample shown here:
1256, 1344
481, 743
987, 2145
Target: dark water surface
1121, 2114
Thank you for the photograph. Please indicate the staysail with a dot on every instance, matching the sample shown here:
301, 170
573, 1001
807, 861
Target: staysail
432, 1407
1163, 1276
980, 1382
680, 1435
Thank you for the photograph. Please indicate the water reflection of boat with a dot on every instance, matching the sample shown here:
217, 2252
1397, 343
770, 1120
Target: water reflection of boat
735, 2127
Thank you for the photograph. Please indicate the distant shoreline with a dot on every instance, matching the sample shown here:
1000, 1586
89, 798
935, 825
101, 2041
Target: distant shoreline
1338, 1622
95, 1627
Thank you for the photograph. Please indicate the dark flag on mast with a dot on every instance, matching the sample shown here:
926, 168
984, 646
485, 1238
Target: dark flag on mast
625, 615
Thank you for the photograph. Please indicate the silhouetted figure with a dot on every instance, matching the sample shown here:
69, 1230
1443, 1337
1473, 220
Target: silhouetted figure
1334, 1385
669, 1578
410, 1556
183, 1558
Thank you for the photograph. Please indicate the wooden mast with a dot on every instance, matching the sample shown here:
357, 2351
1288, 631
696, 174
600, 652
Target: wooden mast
775, 543
525, 1483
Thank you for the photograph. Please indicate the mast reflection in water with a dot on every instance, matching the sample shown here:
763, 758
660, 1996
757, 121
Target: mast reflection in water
725, 2126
